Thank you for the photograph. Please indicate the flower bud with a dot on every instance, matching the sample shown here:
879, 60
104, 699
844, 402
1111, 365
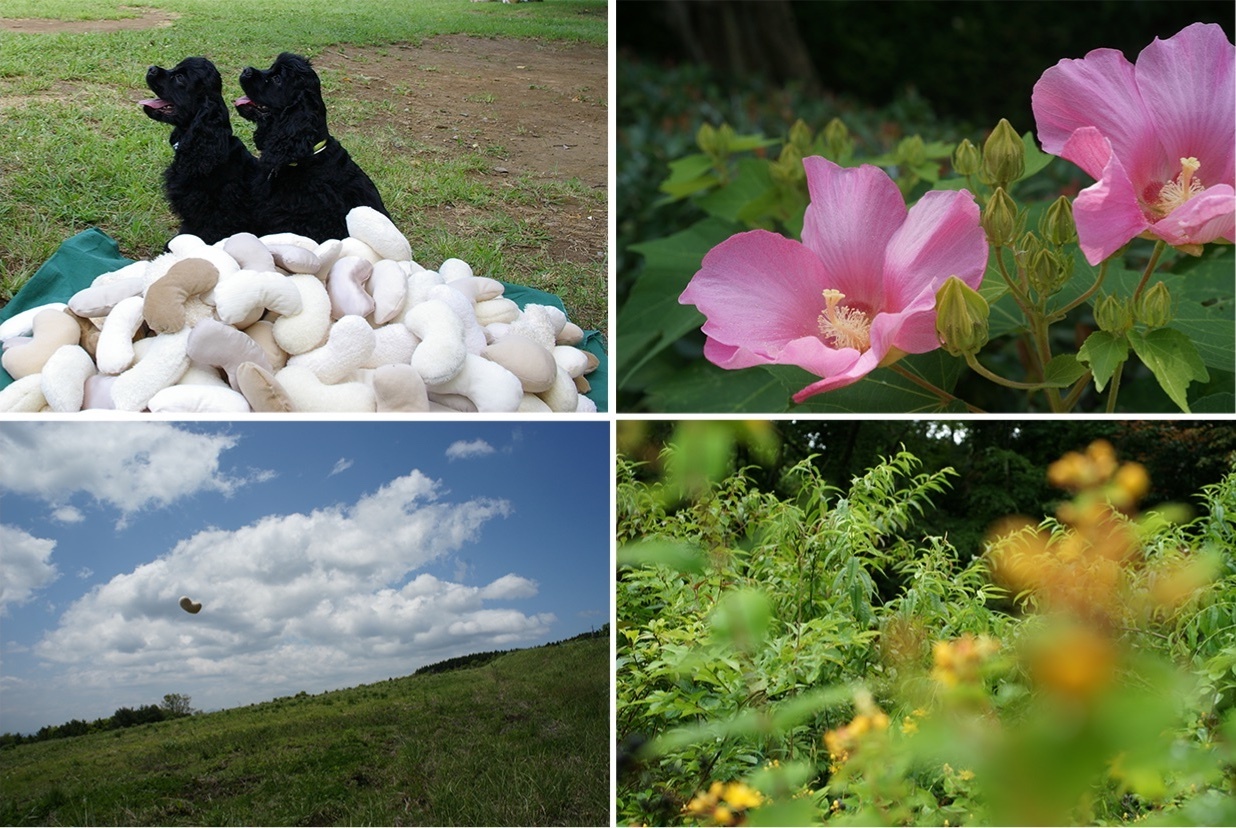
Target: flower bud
800, 138
1046, 273
967, 160
1000, 218
706, 138
961, 317
911, 152
1057, 223
788, 168
1154, 307
1113, 314
837, 140
1004, 155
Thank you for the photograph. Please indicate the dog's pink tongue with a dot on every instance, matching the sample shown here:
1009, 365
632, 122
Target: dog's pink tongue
243, 100
154, 103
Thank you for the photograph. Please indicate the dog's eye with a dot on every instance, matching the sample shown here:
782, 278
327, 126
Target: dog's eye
276, 79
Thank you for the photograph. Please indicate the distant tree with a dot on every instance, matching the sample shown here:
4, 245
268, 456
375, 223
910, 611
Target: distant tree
176, 705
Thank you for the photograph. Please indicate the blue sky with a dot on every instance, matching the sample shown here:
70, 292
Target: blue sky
325, 555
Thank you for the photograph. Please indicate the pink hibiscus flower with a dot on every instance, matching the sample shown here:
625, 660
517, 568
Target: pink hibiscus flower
858, 292
1158, 136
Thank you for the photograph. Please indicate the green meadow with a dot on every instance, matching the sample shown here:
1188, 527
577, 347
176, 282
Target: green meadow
521, 740
78, 152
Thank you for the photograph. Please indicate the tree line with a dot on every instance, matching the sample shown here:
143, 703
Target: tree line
173, 706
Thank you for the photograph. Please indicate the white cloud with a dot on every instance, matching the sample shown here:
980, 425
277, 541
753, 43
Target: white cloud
129, 466
465, 449
68, 514
85, 572
25, 566
341, 465
299, 601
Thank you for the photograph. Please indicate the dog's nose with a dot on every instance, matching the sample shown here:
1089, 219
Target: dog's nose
248, 72
153, 71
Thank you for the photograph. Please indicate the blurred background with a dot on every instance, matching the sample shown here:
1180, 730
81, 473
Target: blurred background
944, 70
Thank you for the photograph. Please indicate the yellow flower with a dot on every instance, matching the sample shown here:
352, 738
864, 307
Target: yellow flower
909, 726
741, 796
965, 775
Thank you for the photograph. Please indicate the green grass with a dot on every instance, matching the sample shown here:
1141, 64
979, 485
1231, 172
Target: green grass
521, 740
78, 152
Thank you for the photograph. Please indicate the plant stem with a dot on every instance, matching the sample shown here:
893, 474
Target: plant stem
1076, 391
973, 362
1085, 296
933, 388
1150, 266
1114, 389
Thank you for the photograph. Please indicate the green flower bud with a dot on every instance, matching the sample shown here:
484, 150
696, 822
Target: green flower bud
1046, 273
1113, 314
967, 160
788, 168
961, 317
800, 137
1000, 218
706, 138
911, 152
1057, 223
837, 141
1154, 307
1004, 155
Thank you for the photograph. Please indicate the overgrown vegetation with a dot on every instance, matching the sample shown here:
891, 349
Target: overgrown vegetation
809, 657
522, 740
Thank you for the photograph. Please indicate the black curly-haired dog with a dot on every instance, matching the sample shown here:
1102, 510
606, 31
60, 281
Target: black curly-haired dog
209, 183
308, 182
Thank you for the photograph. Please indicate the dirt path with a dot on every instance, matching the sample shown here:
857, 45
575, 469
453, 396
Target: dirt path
542, 103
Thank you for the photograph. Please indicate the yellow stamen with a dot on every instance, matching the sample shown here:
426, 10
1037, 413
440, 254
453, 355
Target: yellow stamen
1175, 193
843, 327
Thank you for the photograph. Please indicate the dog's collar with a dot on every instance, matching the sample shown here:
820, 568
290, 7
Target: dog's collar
318, 147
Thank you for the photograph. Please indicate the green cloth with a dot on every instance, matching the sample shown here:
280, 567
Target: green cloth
92, 252
73, 266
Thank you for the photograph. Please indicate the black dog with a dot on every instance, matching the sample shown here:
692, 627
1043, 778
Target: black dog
308, 180
209, 183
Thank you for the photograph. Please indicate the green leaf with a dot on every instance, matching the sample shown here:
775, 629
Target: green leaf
1202, 305
683, 557
1063, 371
1173, 359
1104, 352
741, 619
652, 319
1036, 159
703, 387
689, 175
800, 811
752, 182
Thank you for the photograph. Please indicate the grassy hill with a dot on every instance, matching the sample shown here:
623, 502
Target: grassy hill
520, 740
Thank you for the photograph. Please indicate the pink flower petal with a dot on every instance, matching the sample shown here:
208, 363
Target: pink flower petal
759, 289
1187, 83
863, 364
852, 215
914, 329
1107, 213
1100, 91
941, 237
1202, 219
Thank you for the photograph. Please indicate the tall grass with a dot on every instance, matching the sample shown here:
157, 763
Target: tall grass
78, 152
521, 740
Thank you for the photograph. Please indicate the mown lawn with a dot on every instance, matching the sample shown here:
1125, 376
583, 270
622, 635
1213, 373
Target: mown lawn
79, 153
